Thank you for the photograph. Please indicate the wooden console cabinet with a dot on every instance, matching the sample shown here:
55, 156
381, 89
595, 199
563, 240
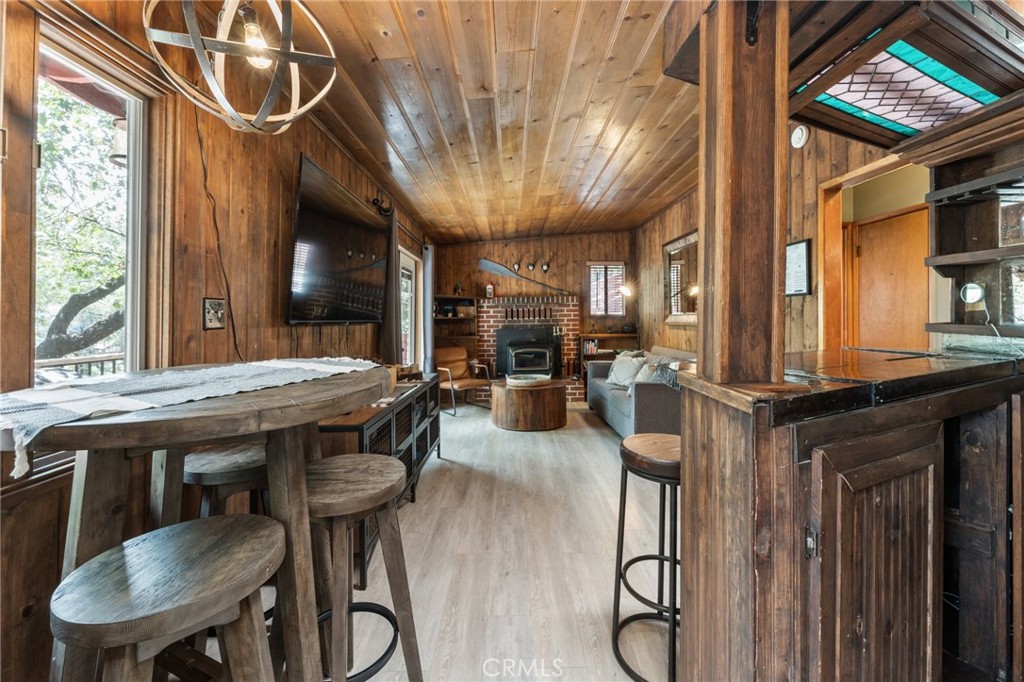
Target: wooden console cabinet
856, 523
406, 426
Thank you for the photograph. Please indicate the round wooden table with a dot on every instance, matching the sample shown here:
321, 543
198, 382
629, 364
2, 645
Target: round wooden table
284, 417
528, 408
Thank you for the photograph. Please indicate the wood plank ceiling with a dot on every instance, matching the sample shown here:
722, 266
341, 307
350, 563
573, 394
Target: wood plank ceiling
497, 119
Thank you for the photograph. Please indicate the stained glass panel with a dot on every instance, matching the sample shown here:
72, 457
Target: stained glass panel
906, 91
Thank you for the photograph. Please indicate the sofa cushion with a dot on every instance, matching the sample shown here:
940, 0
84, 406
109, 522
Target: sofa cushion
624, 370
656, 373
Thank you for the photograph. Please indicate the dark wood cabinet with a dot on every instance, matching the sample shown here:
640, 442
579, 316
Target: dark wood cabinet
859, 522
406, 424
875, 537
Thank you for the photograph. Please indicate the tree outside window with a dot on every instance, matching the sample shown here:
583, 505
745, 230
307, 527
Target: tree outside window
82, 219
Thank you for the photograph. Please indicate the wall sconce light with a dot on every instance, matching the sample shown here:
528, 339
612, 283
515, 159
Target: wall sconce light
531, 266
545, 267
515, 266
626, 290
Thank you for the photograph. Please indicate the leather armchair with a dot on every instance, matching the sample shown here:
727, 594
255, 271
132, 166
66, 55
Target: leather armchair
458, 372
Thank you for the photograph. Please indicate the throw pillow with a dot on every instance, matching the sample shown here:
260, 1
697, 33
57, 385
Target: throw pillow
666, 374
624, 370
632, 353
646, 373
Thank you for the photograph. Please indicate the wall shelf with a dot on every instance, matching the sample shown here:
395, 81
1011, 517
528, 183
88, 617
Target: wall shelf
977, 232
459, 329
1007, 184
1014, 331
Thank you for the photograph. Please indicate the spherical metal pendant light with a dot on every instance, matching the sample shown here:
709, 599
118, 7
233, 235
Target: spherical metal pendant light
239, 40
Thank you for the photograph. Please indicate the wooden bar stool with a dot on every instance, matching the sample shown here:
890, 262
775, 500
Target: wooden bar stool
655, 457
224, 470
136, 598
344, 490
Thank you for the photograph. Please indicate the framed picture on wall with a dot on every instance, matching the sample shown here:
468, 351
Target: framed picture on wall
798, 268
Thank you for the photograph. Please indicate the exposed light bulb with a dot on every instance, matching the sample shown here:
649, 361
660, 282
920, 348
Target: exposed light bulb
254, 36
694, 290
626, 290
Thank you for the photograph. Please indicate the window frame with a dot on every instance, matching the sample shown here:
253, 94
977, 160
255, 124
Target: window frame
405, 258
607, 290
137, 98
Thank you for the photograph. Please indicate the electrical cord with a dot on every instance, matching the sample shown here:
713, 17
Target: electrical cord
988, 321
216, 230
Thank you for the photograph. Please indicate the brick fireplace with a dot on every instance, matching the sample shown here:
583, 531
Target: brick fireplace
561, 313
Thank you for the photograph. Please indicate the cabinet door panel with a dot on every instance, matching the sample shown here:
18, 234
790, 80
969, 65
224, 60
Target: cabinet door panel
976, 529
1017, 547
875, 582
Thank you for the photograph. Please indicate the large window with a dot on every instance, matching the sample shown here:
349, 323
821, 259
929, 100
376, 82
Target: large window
606, 283
89, 249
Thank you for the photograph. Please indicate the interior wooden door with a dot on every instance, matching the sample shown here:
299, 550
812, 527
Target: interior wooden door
887, 297
875, 542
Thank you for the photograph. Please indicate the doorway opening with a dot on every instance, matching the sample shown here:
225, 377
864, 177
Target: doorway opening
876, 290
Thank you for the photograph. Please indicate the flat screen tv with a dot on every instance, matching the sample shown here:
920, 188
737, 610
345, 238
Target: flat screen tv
339, 267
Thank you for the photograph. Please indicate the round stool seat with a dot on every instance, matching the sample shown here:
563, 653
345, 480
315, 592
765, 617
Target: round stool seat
654, 454
226, 464
352, 484
165, 580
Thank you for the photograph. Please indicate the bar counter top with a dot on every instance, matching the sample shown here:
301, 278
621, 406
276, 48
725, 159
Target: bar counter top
821, 383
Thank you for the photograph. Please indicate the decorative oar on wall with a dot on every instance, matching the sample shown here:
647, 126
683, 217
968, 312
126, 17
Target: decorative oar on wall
499, 269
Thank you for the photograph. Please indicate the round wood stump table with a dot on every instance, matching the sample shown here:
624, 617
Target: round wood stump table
528, 408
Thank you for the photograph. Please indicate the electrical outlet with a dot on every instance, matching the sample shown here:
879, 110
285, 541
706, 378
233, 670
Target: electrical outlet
213, 313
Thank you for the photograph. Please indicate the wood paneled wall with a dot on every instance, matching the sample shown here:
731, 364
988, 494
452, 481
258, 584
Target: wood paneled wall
678, 219
825, 156
253, 182
568, 257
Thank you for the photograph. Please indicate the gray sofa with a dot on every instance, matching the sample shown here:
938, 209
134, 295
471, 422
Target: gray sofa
652, 408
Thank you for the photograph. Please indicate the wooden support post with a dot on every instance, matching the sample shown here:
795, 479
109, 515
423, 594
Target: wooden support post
743, 190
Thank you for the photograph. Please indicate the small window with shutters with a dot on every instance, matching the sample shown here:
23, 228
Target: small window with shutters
675, 273
606, 280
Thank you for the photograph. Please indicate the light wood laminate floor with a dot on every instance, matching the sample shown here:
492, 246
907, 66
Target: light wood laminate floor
511, 551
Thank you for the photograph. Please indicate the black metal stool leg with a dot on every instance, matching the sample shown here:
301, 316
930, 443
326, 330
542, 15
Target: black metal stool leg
673, 584
618, 563
661, 542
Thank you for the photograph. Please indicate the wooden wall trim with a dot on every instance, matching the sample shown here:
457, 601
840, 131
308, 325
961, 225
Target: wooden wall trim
89, 35
895, 213
831, 273
17, 203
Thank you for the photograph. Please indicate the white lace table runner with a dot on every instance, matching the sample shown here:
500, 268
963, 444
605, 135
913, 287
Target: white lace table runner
24, 414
